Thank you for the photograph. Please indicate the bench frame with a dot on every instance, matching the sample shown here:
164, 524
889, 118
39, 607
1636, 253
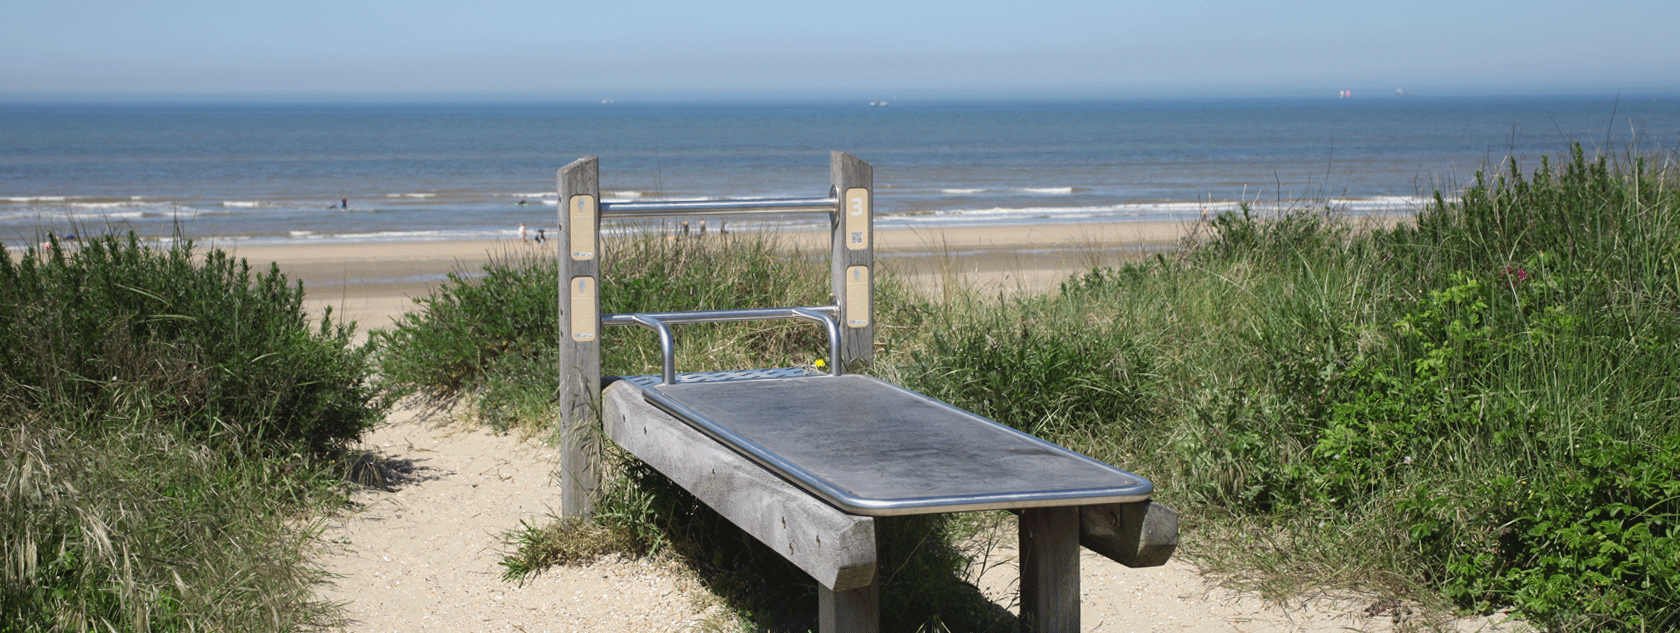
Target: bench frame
836, 548
850, 204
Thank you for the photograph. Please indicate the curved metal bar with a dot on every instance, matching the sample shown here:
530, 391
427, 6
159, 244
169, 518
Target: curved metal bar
833, 325
718, 316
667, 345
661, 323
652, 209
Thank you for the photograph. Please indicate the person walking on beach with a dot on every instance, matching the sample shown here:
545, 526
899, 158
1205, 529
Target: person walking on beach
522, 232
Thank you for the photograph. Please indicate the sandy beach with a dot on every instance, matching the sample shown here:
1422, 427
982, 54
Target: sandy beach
373, 284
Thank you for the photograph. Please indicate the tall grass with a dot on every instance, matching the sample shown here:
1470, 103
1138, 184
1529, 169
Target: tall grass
490, 336
1479, 405
166, 421
1476, 408
117, 326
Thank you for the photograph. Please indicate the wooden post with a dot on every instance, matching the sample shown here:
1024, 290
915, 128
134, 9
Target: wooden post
853, 611
580, 332
1049, 570
852, 264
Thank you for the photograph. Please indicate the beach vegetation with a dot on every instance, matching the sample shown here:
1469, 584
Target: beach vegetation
168, 425
1473, 409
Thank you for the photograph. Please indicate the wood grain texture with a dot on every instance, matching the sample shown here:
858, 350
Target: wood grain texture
1049, 539
851, 611
580, 362
835, 548
1141, 534
847, 172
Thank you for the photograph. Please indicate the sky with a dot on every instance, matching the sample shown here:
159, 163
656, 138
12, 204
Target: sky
560, 50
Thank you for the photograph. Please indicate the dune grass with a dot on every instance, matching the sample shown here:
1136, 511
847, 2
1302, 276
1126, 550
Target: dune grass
167, 426
1476, 409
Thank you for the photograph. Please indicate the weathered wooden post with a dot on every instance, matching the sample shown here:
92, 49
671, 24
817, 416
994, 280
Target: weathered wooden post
580, 332
853, 257
1049, 541
851, 274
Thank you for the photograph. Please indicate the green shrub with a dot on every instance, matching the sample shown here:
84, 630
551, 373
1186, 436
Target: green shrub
1593, 545
118, 327
491, 337
446, 347
1525, 346
1598, 547
164, 420
1038, 367
1361, 396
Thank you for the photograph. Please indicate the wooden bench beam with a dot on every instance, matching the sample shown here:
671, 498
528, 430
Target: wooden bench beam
835, 548
1140, 534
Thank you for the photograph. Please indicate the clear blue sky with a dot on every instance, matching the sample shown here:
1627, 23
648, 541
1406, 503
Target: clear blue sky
735, 49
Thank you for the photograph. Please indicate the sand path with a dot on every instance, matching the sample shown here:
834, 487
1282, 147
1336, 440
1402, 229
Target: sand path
423, 556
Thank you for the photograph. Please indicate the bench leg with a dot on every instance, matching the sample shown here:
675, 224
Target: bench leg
851, 611
1049, 570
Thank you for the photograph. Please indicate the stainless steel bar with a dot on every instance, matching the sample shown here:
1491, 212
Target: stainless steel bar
718, 316
667, 345
661, 322
717, 207
833, 326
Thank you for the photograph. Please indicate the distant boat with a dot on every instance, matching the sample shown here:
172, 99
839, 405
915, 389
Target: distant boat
878, 103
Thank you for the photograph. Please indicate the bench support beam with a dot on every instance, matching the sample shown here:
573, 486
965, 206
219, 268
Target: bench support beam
1140, 534
835, 548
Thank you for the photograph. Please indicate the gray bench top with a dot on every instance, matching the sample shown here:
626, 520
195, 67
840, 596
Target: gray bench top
873, 448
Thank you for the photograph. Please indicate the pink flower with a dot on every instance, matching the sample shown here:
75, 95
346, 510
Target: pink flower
1514, 275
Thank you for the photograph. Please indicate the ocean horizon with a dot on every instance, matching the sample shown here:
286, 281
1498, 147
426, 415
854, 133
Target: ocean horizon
283, 173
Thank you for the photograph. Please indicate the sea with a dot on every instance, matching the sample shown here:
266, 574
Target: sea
248, 173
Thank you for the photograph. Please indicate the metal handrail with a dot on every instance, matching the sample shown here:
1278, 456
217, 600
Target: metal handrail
660, 323
736, 206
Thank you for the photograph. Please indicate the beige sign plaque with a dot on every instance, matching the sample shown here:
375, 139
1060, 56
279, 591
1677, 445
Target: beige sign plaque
583, 227
857, 219
857, 296
586, 319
